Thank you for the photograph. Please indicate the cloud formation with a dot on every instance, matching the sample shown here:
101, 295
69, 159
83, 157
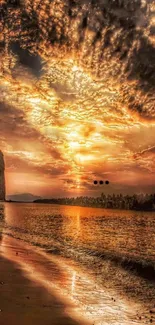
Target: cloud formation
77, 82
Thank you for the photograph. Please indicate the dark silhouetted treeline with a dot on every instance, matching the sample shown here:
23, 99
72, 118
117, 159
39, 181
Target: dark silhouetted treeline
127, 202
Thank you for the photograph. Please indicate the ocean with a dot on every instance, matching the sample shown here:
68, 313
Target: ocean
109, 254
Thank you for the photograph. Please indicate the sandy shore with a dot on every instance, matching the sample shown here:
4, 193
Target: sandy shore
37, 288
24, 297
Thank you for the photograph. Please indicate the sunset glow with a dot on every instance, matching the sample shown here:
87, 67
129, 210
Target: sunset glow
86, 111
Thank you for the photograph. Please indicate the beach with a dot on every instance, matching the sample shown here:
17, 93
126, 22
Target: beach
77, 162
28, 295
64, 266
26, 298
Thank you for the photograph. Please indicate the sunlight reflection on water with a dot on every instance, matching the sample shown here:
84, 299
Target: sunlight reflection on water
80, 257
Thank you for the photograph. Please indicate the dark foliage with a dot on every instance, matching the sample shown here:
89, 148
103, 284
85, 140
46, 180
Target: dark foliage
135, 202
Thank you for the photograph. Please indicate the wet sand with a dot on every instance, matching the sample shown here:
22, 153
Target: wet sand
23, 299
37, 288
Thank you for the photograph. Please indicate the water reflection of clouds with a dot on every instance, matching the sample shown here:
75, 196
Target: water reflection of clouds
78, 223
72, 226
83, 298
68, 279
114, 232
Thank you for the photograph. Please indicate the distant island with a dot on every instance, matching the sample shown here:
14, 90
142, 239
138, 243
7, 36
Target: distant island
138, 202
22, 197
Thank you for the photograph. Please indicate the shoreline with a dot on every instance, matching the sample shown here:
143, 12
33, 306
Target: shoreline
38, 289
25, 297
81, 206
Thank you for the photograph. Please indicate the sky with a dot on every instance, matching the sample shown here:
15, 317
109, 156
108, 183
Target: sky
77, 85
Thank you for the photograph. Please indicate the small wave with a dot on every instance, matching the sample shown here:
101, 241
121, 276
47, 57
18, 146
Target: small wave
141, 268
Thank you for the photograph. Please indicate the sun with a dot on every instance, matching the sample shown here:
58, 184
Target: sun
74, 145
